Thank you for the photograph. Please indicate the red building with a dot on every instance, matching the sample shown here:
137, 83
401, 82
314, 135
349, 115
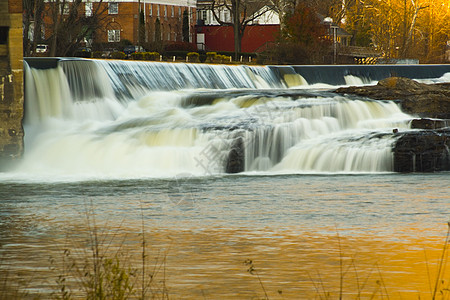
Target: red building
214, 35
221, 38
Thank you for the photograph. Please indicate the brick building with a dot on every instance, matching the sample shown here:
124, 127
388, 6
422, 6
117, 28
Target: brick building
120, 20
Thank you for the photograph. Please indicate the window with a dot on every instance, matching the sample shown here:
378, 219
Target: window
151, 10
165, 10
157, 10
88, 9
226, 16
4, 35
114, 35
65, 9
202, 14
173, 11
113, 8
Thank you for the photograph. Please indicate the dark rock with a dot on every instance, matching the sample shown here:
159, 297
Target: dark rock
236, 157
423, 151
425, 100
428, 124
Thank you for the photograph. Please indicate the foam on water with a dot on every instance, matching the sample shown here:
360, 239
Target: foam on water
111, 119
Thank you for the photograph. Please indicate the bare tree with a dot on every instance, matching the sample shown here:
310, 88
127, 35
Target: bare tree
32, 23
69, 26
242, 12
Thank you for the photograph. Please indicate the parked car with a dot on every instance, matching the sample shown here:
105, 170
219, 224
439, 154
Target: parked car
132, 49
41, 48
83, 52
108, 51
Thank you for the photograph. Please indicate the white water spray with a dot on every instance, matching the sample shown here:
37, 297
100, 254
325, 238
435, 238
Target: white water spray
110, 119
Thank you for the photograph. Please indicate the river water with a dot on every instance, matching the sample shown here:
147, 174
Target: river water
317, 209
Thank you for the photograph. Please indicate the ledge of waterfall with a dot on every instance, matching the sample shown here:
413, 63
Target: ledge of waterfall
424, 100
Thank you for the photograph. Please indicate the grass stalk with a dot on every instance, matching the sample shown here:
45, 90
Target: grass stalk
251, 269
442, 264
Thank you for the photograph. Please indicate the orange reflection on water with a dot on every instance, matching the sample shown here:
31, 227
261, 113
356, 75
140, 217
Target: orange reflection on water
211, 264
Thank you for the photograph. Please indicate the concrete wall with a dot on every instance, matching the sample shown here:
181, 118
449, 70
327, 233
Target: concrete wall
11, 81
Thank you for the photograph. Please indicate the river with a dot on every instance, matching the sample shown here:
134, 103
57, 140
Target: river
118, 154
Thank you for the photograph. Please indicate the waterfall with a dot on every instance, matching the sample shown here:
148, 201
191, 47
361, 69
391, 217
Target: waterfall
103, 119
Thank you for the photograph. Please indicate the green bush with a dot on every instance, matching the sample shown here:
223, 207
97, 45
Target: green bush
223, 58
211, 56
118, 55
193, 56
151, 56
137, 56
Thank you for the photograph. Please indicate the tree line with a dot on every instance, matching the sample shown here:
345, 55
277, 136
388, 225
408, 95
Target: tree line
418, 29
399, 28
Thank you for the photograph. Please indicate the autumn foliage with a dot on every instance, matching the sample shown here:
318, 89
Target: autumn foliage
398, 29
303, 38
416, 29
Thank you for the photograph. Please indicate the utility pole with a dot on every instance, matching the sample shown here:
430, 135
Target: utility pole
139, 25
333, 32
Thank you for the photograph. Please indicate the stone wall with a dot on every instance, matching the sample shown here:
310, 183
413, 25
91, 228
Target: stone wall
11, 81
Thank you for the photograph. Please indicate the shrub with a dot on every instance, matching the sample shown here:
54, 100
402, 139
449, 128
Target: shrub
137, 56
211, 56
97, 54
193, 56
181, 55
118, 55
181, 46
151, 56
223, 58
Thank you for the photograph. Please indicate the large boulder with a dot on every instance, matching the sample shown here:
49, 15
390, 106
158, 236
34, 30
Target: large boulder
425, 100
423, 151
429, 123
236, 157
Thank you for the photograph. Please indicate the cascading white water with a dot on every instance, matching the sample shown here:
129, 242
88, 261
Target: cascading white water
103, 119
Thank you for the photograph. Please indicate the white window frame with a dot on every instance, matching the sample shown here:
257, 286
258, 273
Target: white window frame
65, 8
113, 35
113, 8
88, 9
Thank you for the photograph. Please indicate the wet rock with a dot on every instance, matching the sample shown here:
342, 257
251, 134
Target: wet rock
423, 151
236, 158
425, 100
429, 124
426, 150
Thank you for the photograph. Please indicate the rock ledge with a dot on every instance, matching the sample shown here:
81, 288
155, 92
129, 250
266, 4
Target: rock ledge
424, 100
